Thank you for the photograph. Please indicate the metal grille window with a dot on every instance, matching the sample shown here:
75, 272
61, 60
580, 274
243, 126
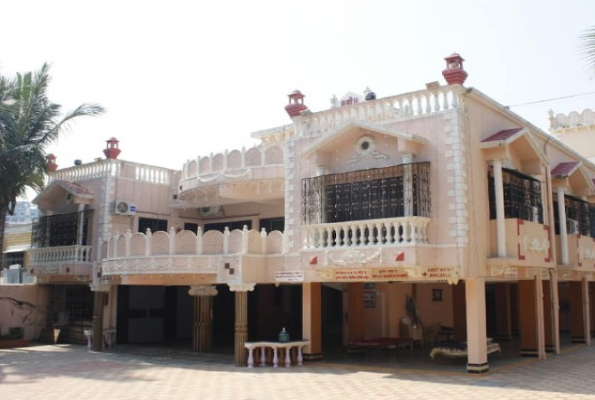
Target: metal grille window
579, 216
367, 194
61, 230
522, 196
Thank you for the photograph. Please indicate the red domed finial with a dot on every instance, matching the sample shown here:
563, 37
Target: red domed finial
296, 104
112, 151
454, 72
51, 159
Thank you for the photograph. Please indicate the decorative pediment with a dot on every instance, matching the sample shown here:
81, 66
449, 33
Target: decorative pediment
63, 192
519, 141
358, 131
574, 175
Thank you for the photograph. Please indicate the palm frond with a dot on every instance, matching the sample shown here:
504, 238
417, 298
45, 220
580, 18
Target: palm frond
587, 47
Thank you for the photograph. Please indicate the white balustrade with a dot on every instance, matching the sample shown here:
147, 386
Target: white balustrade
406, 105
572, 120
229, 165
59, 255
238, 241
115, 168
83, 172
276, 346
402, 230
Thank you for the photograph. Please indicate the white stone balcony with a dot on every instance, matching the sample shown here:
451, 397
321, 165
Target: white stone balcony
388, 231
64, 261
236, 175
185, 252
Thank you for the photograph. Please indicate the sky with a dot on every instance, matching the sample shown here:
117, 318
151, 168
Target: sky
183, 78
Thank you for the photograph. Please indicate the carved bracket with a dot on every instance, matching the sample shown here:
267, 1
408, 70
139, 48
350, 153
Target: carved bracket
203, 290
241, 287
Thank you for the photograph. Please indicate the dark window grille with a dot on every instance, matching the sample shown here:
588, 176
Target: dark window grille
522, 196
367, 194
272, 224
578, 210
231, 225
61, 230
153, 224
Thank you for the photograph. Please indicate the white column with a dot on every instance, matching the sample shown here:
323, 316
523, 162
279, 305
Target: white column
79, 238
586, 311
500, 216
477, 349
563, 231
408, 186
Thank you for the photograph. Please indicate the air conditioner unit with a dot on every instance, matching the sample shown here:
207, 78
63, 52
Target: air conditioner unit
535, 214
571, 226
124, 208
211, 212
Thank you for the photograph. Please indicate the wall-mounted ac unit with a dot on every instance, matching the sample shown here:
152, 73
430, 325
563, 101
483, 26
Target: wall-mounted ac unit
535, 214
124, 208
211, 212
571, 226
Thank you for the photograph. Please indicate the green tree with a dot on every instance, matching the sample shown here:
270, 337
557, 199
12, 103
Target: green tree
29, 122
587, 47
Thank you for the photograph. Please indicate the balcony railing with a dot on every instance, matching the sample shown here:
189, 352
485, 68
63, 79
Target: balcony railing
114, 168
237, 241
408, 105
255, 164
60, 255
389, 231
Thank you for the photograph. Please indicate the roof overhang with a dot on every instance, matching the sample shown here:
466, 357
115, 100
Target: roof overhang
508, 139
63, 191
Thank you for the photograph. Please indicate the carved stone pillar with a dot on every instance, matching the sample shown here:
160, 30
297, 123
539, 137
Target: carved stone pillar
100, 291
202, 328
241, 325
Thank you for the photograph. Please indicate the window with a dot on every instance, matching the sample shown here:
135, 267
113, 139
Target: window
61, 230
522, 196
272, 224
153, 224
220, 226
375, 193
579, 216
190, 226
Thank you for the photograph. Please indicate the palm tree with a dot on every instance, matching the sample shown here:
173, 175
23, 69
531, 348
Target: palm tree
29, 121
587, 47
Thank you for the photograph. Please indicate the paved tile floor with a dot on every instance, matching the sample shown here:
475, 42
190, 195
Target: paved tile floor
71, 372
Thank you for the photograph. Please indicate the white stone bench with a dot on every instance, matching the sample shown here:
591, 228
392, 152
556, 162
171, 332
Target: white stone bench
251, 346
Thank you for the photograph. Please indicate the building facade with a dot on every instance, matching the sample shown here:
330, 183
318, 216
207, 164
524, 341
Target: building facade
427, 210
